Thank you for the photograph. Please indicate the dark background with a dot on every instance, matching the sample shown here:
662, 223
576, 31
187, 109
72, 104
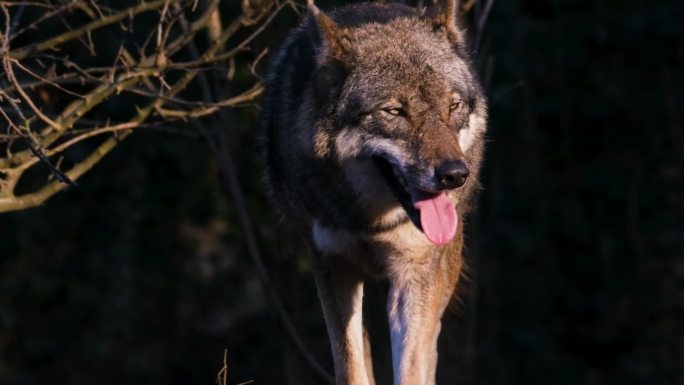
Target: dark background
140, 275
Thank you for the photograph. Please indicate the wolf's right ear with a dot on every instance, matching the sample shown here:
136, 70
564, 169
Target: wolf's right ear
333, 41
444, 16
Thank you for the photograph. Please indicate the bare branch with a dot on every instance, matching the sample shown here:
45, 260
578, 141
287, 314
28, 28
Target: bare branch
35, 199
246, 96
9, 73
48, 134
115, 18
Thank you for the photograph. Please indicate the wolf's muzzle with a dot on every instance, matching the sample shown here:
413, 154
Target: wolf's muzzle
451, 174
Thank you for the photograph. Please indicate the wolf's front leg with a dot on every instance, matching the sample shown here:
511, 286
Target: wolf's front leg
416, 302
340, 289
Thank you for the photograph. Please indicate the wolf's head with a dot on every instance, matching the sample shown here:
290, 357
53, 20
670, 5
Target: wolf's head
397, 93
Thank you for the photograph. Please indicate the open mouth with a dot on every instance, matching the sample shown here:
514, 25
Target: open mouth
431, 212
399, 187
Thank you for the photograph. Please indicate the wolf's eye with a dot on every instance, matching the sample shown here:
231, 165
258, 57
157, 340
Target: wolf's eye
455, 106
396, 111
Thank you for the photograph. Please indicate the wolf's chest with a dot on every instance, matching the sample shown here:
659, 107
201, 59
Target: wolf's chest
402, 239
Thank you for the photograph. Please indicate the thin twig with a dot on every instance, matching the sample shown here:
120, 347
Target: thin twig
21, 53
222, 377
481, 23
45, 80
79, 138
229, 175
118, 78
222, 153
37, 198
246, 96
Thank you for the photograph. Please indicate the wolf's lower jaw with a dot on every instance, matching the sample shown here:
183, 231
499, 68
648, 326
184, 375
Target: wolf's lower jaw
399, 187
390, 221
432, 212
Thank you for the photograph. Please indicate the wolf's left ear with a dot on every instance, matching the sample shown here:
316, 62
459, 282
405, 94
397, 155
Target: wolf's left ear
334, 40
443, 16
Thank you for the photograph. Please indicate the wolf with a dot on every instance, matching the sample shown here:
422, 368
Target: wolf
373, 132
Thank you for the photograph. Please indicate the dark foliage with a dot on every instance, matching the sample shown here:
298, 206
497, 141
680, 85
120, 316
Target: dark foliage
140, 274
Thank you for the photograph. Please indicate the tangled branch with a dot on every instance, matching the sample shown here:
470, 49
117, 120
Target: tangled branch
53, 97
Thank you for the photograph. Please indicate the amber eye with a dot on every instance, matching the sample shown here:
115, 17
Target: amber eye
455, 106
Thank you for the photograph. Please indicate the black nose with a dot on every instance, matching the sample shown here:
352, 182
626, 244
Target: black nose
451, 174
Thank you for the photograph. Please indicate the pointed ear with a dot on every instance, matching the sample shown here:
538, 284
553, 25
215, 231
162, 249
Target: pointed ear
333, 40
443, 16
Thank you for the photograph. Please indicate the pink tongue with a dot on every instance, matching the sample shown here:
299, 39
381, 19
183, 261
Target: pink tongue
437, 216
